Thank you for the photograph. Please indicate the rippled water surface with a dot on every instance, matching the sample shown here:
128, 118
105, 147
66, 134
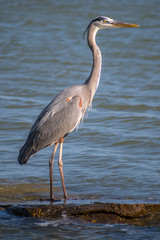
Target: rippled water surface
115, 154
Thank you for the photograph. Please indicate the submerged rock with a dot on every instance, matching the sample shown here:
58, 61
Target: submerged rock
137, 214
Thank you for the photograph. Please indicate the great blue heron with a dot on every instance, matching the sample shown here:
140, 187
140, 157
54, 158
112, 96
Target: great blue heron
65, 111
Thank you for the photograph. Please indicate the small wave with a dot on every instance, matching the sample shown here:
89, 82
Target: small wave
55, 223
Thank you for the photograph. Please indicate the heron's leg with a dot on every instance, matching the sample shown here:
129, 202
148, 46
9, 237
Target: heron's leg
60, 164
51, 163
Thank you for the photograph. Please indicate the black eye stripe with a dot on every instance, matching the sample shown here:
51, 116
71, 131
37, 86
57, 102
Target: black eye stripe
99, 19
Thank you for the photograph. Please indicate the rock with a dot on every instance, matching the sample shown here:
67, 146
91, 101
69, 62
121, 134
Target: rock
137, 214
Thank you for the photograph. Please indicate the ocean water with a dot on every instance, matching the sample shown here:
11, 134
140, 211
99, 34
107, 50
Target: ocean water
114, 156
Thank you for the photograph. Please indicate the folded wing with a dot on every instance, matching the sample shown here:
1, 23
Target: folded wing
53, 123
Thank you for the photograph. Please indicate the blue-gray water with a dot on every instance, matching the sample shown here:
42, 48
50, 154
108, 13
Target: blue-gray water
115, 154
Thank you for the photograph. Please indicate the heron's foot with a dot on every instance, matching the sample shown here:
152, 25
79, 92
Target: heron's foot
66, 197
54, 200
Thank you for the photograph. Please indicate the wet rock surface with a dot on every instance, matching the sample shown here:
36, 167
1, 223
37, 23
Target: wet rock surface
137, 214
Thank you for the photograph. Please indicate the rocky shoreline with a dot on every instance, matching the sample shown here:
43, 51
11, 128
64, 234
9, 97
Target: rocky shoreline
135, 214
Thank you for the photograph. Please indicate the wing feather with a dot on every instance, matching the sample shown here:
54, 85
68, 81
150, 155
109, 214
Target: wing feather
56, 122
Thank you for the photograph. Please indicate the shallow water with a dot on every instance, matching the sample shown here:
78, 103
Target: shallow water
114, 155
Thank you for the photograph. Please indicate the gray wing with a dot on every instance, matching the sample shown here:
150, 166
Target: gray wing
53, 123
57, 104
60, 120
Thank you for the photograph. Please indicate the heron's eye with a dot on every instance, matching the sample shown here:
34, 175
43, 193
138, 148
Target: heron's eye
104, 21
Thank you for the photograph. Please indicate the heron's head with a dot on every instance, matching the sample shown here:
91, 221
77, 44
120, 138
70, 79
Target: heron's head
102, 22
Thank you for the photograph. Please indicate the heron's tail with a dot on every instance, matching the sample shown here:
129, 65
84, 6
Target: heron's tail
26, 152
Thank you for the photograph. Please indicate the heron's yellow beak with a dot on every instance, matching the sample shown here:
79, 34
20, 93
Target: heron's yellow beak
120, 24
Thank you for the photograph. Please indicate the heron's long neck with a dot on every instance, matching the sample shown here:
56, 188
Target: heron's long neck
93, 80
